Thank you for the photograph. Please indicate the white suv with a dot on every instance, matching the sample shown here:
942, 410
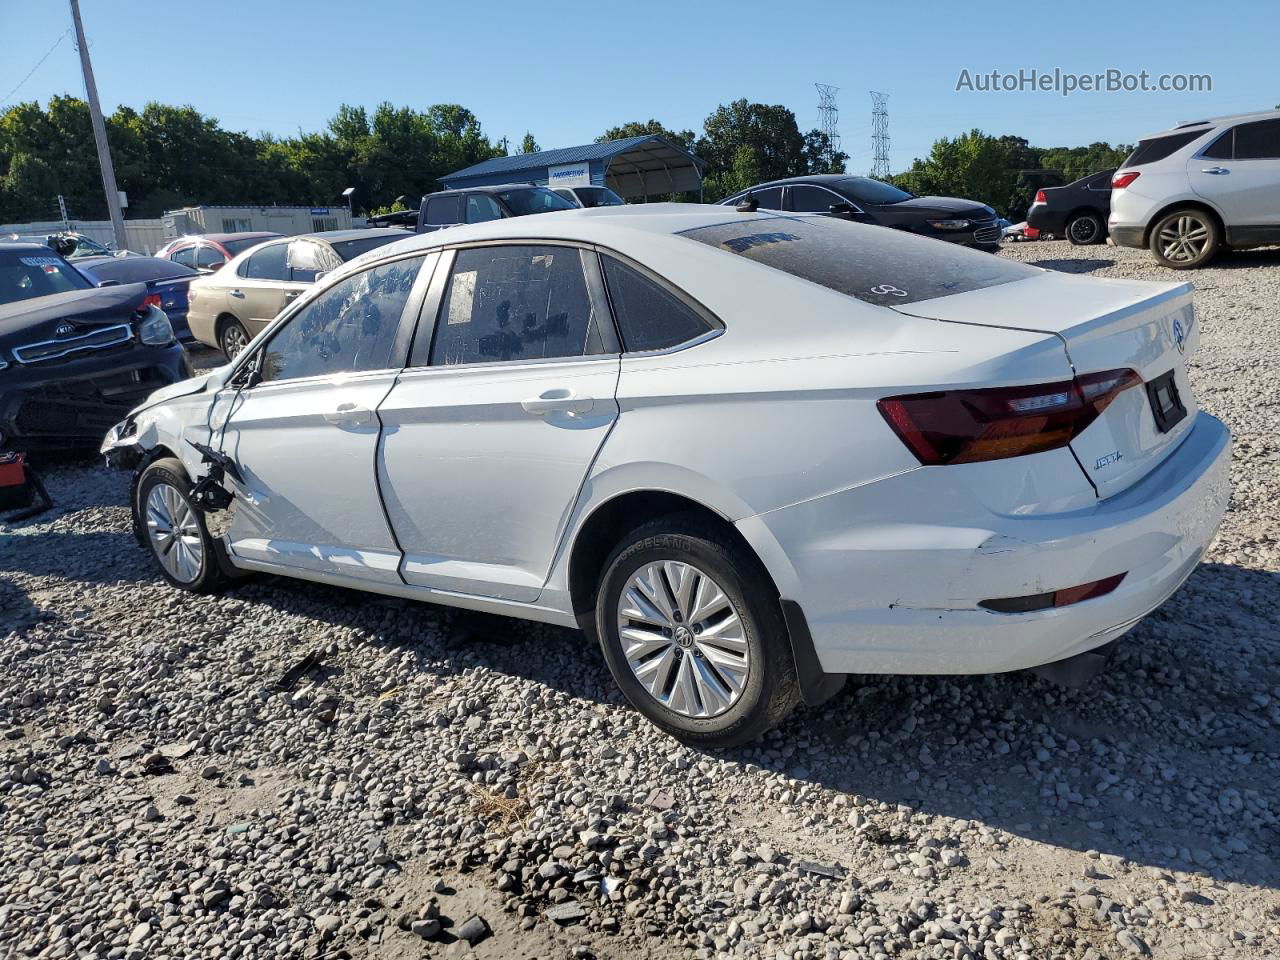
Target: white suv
1187, 192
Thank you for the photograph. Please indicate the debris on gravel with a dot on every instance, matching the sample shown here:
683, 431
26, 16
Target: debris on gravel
422, 788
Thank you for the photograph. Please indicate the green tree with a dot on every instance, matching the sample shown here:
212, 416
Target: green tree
528, 144
685, 139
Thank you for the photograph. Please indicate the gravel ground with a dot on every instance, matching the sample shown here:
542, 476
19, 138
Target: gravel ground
161, 794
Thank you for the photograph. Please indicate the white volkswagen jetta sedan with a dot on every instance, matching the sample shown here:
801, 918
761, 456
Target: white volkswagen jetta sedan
749, 452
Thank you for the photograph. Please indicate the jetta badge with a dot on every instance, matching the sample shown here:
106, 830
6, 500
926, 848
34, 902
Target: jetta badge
64, 330
1179, 337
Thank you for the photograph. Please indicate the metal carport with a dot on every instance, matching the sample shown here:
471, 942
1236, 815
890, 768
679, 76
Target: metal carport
633, 167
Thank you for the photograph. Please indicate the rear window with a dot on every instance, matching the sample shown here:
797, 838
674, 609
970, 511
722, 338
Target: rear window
534, 200
27, 274
874, 264
244, 243
1157, 148
350, 249
138, 269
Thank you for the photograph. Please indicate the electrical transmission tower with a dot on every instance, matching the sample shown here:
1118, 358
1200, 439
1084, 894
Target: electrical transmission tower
829, 120
880, 134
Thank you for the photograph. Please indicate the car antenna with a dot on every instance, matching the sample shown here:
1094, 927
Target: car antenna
748, 204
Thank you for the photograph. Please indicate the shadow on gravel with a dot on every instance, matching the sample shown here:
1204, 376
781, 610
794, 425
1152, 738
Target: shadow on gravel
1072, 266
104, 556
1237, 259
1168, 759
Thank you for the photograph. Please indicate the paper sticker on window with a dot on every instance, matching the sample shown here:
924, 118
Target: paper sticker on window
41, 261
462, 296
544, 260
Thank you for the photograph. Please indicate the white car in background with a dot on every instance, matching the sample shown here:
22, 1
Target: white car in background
590, 196
745, 460
1188, 192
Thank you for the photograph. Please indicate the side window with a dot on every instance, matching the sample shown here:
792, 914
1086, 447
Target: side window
207, 256
812, 200
1259, 140
445, 209
186, 256
482, 207
649, 318
307, 259
769, 198
506, 303
268, 263
350, 327
1222, 148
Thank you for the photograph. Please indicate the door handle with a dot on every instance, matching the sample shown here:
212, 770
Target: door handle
291, 296
1216, 171
348, 413
558, 400
237, 294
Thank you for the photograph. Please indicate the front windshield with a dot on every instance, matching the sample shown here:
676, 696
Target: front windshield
26, 275
350, 249
533, 200
599, 197
866, 190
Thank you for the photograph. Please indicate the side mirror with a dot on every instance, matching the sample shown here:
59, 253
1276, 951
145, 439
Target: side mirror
217, 265
320, 275
841, 209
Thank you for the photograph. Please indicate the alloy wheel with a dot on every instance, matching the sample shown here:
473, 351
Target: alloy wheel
234, 340
175, 533
1183, 238
683, 639
1083, 230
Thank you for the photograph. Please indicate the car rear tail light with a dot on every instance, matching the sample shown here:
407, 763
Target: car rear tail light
1055, 598
967, 426
1124, 179
152, 300
1041, 197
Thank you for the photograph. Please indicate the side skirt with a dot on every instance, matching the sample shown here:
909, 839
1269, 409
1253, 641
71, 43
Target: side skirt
464, 601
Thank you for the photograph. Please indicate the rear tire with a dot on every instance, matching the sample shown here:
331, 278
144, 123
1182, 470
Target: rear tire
232, 338
705, 655
1185, 239
1085, 230
174, 530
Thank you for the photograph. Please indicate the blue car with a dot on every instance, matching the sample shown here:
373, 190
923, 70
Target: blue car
166, 282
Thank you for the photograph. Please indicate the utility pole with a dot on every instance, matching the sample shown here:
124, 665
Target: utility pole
829, 119
99, 133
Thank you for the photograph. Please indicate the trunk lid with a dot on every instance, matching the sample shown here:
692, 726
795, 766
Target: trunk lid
1104, 325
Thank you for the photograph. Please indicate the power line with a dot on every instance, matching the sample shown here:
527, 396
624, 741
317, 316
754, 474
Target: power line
880, 134
829, 120
32, 71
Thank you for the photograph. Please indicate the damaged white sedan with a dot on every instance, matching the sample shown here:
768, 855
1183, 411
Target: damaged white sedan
749, 452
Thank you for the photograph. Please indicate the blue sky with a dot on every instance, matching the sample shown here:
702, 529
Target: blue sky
568, 70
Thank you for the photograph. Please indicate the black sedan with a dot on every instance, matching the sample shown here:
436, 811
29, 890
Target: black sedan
1077, 211
873, 201
74, 358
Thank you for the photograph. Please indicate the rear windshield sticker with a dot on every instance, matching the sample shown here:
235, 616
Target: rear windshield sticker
41, 261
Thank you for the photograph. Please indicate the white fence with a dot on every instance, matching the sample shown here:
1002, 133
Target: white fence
144, 236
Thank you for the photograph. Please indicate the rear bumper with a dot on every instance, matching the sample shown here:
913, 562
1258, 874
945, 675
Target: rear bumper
900, 594
1127, 236
70, 406
1046, 220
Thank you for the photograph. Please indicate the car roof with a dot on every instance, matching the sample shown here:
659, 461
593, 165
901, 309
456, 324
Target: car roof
8, 244
489, 188
622, 227
1212, 123
355, 233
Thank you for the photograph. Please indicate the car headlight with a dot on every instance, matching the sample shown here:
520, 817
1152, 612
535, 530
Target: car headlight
155, 328
950, 224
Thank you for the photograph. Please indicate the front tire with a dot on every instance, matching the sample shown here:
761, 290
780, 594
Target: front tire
1085, 230
693, 633
1185, 239
174, 530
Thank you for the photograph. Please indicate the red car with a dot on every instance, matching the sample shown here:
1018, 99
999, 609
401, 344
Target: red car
209, 251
